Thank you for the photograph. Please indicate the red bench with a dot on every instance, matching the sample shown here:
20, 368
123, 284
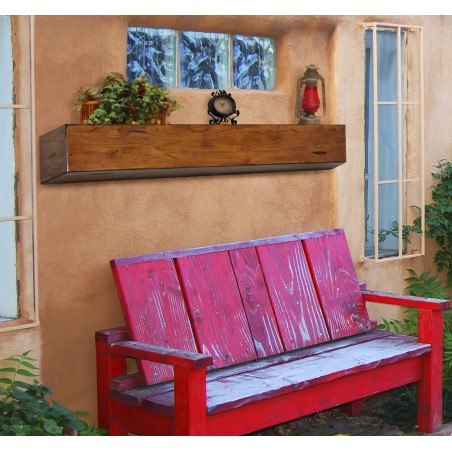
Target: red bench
231, 339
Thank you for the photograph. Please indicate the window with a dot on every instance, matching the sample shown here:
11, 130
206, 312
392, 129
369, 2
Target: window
201, 60
17, 279
394, 142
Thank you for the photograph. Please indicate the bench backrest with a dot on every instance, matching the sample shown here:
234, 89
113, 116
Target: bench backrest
242, 301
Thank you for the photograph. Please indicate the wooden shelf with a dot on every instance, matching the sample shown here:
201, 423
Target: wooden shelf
85, 153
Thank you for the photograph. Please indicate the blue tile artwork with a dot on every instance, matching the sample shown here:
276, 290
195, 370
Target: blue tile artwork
204, 60
254, 62
201, 60
152, 51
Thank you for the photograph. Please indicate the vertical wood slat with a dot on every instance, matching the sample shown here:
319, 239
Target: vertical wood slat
215, 307
293, 295
337, 285
154, 311
256, 302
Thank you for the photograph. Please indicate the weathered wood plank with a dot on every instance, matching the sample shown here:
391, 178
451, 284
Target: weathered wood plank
80, 153
154, 311
226, 393
256, 302
337, 285
269, 412
221, 247
165, 355
293, 296
215, 307
124, 391
405, 300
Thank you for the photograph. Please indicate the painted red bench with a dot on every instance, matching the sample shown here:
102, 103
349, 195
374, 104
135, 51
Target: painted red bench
231, 339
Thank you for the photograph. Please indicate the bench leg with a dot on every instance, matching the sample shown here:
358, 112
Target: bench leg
108, 367
190, 401
430, 405
354, 408
116, 426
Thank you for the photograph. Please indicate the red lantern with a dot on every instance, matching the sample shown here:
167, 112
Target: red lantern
308, 101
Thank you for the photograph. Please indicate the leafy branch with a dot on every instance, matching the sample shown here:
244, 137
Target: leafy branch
24, 410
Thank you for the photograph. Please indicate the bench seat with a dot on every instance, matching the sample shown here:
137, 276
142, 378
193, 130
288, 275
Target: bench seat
235, 338
267, 378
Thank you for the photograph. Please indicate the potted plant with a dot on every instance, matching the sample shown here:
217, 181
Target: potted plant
24, 409
129, 102
87, 101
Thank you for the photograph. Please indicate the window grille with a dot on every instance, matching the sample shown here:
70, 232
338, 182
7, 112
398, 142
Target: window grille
394, 134
17, 186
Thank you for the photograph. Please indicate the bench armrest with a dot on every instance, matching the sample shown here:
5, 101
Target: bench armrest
179, 358
190, 395
405, 300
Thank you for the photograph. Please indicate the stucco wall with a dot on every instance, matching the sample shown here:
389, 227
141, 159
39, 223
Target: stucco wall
82, 226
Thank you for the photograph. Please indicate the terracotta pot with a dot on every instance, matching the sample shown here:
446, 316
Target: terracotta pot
87, 109
159, 118
163, 118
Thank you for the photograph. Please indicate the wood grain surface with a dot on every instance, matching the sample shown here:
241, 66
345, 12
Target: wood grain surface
337, 285
155, 311
74, 153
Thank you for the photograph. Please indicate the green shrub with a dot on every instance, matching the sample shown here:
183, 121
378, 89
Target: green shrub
438, 218
24, 410
401, 409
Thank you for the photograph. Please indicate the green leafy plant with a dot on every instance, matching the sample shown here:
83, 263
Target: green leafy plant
425, 285
438, 218
438, 221
128, 102
24, 409
407, 229
401, 409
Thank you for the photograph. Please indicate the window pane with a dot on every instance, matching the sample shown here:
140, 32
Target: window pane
8, 271
14, 60
204, 60
388, 216
388, 142
254, 62
7, 164
387, 64
6, 61
152, 52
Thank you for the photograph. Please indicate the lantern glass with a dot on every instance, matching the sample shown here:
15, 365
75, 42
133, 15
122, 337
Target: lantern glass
308, 99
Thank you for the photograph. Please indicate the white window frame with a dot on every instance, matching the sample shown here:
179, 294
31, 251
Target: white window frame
401, 180
27, 303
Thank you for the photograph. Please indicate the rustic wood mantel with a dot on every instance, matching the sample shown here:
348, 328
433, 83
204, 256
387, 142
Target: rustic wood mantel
88, 153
